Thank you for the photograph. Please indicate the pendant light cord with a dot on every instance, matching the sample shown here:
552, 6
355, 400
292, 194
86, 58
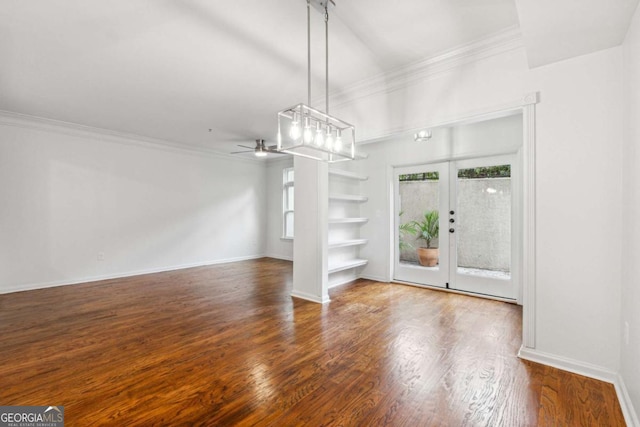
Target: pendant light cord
326, 59
309, 52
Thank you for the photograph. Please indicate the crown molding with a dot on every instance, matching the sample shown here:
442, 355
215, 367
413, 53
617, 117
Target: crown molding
498, 43
25, 121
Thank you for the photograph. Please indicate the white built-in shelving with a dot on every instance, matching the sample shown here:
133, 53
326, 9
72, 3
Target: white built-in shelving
345, 243
346, 265
348, 220
348, 198
344, 224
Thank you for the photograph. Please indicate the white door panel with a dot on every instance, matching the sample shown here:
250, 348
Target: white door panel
478, 222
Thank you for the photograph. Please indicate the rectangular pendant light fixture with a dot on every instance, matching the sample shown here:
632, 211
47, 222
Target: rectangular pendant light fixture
308, 132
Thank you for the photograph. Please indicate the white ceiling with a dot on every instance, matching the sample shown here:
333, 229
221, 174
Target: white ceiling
554, 30
173, 70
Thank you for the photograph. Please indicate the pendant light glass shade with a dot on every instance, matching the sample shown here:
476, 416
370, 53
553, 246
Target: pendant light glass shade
323, 145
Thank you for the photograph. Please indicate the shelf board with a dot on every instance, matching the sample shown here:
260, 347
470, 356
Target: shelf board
345, 243
348, 174
346, 265
348, 197
348, 220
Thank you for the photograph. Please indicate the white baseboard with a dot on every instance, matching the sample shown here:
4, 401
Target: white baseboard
570, 365
587, 370
342, 282
630, 415
282, 257
43, 285
374, 278
309, 297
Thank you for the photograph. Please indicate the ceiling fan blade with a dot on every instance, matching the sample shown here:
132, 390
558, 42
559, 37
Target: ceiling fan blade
272, 149
260, 147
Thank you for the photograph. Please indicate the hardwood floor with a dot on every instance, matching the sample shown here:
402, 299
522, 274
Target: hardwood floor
226, 345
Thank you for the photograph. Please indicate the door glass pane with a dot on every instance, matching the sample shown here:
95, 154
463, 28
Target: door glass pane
419, 219
483, 221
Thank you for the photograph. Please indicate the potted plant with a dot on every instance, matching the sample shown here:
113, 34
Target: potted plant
405, 229
428, 229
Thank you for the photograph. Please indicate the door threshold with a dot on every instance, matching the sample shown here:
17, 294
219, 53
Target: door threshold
454, 291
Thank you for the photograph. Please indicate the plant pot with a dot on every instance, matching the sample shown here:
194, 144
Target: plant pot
428, 256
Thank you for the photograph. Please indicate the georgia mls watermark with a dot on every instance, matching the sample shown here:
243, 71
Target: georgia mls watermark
31, 416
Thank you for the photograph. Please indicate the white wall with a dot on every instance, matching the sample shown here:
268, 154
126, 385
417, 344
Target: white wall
630, 353
276, 246
579, 200
69, 196
438, 94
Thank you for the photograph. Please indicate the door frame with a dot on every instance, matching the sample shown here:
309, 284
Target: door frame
527, 161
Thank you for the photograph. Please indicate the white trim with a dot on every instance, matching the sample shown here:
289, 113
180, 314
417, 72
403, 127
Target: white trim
286, 185
498, 43
343, 282
569, 365
374, 278
479, 154
392, 243
9, 118
44, 285
309, 297
630, 415
587, 370
281, 257
591, 371
528, 265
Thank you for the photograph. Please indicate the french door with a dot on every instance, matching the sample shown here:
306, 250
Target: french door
455, 225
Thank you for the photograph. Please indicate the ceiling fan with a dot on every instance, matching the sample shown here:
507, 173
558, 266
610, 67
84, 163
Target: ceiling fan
260, 150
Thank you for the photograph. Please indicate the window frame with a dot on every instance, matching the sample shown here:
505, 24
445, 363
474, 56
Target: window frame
287, 214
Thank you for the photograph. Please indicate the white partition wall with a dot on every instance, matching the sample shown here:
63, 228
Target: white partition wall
310, 230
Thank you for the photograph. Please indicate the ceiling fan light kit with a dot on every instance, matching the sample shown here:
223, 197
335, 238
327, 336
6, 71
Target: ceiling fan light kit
422, 136
307, 132
260, 150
